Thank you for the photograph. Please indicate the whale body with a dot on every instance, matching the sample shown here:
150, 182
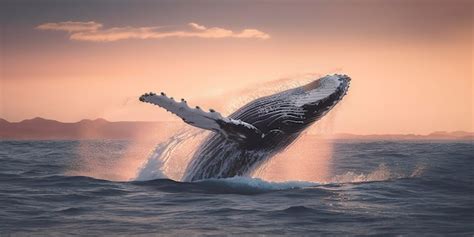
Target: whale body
254, 133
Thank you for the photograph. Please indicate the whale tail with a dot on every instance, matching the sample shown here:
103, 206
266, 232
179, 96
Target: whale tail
233, 129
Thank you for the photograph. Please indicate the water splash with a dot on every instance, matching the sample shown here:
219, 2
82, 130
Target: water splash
109, 159
381, 173
117, 160
164, 161
308, 159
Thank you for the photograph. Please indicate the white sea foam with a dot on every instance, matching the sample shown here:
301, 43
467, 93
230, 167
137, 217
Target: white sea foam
257, 183
381, 173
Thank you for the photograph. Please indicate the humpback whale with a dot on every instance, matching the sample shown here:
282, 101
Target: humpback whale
248, 137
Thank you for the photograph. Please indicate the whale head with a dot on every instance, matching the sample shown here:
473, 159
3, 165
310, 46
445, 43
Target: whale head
329, 89
318, 97
292, 110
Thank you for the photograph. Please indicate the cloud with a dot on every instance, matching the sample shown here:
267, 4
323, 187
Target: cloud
197, 26
94, 32
70, 26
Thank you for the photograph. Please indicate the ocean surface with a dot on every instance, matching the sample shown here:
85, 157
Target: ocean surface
376, 188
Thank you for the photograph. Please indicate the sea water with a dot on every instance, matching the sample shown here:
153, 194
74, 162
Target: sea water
373, 187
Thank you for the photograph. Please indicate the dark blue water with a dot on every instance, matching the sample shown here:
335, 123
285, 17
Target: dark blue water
424, 188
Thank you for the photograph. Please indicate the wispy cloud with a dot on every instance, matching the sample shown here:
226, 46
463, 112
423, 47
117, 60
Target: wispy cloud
197, 26
71, 26
93, 31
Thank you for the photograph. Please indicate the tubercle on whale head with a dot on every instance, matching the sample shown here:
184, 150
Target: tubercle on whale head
338, 78
315, 100
324, 88
343, 76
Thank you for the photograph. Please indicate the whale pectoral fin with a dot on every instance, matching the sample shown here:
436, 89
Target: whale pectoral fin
232, 129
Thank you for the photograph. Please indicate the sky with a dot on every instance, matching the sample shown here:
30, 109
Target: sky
410, 61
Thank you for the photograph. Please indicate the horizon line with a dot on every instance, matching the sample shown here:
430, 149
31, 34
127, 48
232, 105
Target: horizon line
162, 121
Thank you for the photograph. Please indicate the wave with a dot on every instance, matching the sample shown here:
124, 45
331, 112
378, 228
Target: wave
381, 174
236, 185
252, 185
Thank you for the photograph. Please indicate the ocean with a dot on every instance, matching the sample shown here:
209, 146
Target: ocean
369, 188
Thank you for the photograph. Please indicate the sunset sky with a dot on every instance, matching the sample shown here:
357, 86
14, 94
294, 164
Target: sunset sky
410, 61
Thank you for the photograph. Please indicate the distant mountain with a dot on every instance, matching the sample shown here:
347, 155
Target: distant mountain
457, 135
46, 129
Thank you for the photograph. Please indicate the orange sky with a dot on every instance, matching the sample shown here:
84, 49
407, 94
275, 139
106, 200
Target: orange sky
411, 64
